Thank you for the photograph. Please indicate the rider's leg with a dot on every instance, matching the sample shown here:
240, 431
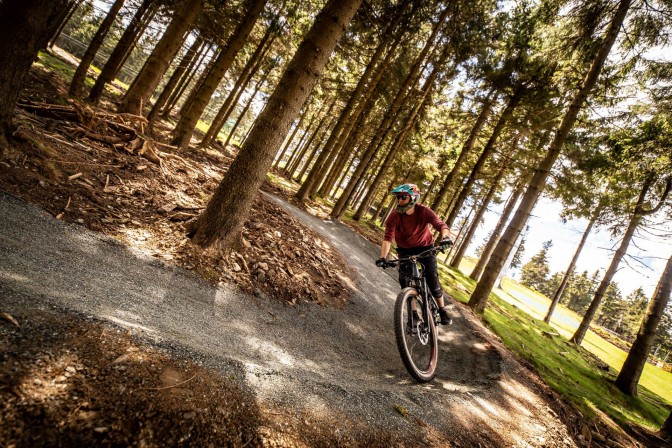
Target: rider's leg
432, 276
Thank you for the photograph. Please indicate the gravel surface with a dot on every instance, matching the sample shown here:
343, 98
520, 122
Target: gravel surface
340, 365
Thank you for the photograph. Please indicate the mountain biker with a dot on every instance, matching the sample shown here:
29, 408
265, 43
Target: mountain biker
409, 228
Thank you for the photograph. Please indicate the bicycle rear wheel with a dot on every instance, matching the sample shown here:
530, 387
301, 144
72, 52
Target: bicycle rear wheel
417, 342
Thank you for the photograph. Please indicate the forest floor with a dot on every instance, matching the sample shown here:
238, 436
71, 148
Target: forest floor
130, 335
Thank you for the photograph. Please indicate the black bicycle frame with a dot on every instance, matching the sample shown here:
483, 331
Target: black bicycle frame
420, 283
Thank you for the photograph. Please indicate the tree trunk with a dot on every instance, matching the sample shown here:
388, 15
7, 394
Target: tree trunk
191, 71
199, 82
459, 239
344, 174
226, 212
403, 134
77, 83
356, 179
170, 86
247, 106
189, 117
344, 155
126, 43
467, 147
328, 154
636, 218
249, 70
299, 149
494, 238
149, 77
64, 22
288, 143
25, 28
377, 142
410, 121
570, 269
304, 147
634, 364
481, 293
488, 150
666, 429
457, 258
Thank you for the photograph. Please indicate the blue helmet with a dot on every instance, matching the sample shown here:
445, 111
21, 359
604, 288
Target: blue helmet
410, 190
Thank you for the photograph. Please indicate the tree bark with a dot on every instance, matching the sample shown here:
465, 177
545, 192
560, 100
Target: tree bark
344, 155
25, 28
570, 269
189, 75
328, 154
633, 366
299, 149
247, 106
323, 136
126, 43
393, 111
638, 213
249, 70
355, 180
189, 117
77, 83
288, 143
457, 258
223, 218
170, 86
467, 147
303, 148
64, 22
149, 77
403, 134
485, 155
494, 238
481, 293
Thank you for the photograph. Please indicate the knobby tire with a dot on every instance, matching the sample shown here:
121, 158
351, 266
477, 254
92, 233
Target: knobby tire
419, 359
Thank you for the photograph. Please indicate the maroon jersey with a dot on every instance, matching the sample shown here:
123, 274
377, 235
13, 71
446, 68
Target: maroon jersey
413, 230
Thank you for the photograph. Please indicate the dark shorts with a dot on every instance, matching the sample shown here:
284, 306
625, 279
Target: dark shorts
430, 269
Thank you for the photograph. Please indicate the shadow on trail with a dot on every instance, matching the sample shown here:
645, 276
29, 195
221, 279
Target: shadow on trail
343, 359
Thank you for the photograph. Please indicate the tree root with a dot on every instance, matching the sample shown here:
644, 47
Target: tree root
121, 131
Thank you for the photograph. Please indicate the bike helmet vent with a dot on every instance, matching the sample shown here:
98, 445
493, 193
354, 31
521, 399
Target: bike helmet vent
410, 190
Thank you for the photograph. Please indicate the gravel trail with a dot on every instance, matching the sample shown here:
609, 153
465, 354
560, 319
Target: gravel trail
306, 358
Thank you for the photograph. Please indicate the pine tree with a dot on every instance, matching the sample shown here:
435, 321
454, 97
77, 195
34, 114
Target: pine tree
535, 272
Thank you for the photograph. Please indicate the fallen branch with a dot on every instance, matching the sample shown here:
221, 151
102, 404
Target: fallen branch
9, 318
170, 387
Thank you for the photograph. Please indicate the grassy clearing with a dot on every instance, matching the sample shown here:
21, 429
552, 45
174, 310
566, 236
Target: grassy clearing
67, 71
584, 374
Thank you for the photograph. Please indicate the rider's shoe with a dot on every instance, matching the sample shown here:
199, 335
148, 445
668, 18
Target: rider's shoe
445, 317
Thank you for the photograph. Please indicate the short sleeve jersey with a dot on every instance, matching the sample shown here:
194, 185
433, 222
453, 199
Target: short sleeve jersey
413, 230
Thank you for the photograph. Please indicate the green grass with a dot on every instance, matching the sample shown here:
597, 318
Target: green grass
584, 374
63, 69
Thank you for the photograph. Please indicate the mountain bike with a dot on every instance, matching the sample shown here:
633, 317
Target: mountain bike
416, 316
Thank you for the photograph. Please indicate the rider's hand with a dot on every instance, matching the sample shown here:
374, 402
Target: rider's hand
446, 242
380, 262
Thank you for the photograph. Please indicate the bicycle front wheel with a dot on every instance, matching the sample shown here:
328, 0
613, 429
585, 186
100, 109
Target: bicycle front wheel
416, 339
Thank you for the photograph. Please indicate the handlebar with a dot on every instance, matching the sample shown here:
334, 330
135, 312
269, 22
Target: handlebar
396, 262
